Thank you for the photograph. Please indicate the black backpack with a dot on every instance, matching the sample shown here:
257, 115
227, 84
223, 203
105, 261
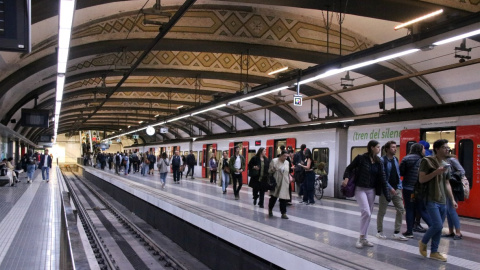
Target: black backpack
117, 159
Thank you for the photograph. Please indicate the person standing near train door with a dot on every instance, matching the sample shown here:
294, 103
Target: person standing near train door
298, 171
392, 175
434, 175
237, 166
176, 162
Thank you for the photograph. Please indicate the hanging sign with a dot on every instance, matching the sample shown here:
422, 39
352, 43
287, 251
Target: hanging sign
297, 100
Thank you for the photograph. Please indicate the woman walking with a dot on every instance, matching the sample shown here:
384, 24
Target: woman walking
163, 166
369, 181
224, 171
258, 170
280, 171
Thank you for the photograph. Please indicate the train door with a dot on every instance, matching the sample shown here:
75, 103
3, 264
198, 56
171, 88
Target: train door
407, 138
208, 151
467, 144
273, 146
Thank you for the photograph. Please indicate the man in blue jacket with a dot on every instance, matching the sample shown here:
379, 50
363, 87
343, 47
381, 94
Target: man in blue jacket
46, 165
394, 183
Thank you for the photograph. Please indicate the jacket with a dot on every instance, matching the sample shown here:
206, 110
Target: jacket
231, 163
255, 161
162, 165
433, 192
388, 168
190, 160
220, 169
42, 160
363, 178
176, 161
409, 170
280, 172
213, 165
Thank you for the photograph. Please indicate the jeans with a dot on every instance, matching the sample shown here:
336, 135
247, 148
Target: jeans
163, 177
452, 216
365, 198
188, 171
225, 180
30, 171
237, 179
144, 169
176, 174
409, 209
437, 214
422, 210
45, 173
397, 201
127, 167
283, 204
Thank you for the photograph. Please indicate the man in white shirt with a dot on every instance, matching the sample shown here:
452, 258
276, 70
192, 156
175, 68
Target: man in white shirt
46, 165
237, 166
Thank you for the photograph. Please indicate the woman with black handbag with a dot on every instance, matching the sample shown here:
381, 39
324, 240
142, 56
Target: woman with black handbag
279, 169
258, 172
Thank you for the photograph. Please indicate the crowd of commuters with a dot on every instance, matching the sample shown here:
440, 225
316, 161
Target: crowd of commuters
424, 193
28, 163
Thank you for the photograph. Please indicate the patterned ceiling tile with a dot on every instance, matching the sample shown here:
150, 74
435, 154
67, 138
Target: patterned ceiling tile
186, 58
227, 60
165, 57
279, 29
233, 23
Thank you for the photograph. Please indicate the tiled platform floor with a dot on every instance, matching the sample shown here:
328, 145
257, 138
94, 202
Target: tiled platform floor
30, 224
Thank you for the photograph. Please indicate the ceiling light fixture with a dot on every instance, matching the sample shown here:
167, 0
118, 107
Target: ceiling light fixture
140, 122
179, 107
257, 95
209, 109
278, 70
455, 38
424, 17
359, 65
178, 118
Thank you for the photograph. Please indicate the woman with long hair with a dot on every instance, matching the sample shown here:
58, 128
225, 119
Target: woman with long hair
224, 171
258, 171
163, 165
369, 181
309, 178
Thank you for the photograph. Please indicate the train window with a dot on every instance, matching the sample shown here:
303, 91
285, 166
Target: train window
195, 153
200, 161
321, 155
251, 153
409, 146
270, 152
465, 156
433, 135
359, 150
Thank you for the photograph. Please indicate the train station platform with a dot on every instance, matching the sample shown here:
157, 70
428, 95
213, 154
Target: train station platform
30, 223
197, 215
320, 236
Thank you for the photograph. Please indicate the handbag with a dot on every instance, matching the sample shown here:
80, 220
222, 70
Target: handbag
466, 187
271, 183
349, 190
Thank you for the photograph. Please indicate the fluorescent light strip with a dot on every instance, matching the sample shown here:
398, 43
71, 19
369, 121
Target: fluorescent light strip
462, 36
278, 70
257, 95
209, 109
178, 118
60, 87
58, 106
359, 65
429, 15
179, 107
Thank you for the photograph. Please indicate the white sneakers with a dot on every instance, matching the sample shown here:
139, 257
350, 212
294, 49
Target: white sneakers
363, 242
380, 235
399, 236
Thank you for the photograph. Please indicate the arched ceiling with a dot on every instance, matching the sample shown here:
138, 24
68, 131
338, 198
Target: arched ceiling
217, 49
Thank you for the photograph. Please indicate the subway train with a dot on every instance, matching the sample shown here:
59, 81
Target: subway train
338, 146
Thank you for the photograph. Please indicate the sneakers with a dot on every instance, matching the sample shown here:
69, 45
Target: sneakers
457, 237
284, 216
419, 228
380, 235
448, 235
408, 235
400, 237
237, 197
270, 213
422, 248
363, 242
438, 256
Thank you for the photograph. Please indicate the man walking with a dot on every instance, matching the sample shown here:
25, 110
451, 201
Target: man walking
392, 174
190, 163
237, 166
176, 163
46, 165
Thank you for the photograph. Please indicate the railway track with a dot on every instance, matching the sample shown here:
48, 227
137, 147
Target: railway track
115, 240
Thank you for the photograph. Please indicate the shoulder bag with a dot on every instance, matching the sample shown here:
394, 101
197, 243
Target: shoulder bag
349, 190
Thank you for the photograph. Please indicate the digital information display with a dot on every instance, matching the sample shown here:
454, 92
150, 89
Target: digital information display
2, 18
15, 25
